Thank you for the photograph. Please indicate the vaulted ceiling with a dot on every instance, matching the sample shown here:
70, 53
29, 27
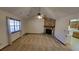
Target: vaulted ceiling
52, 12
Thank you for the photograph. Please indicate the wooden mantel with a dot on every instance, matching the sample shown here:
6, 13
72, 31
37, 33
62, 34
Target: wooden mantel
49, 27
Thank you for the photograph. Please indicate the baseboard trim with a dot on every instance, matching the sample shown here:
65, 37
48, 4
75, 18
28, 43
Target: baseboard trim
16, 39
4, 47
33, 33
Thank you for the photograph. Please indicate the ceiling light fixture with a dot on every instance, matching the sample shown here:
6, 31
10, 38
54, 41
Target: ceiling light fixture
39, 15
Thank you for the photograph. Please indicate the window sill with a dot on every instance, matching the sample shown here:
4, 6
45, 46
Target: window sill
15, 32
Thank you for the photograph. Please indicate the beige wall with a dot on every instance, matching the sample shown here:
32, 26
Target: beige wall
35, 25
3, 29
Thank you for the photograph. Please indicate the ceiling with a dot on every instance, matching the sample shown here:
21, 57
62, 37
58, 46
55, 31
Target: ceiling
52, 12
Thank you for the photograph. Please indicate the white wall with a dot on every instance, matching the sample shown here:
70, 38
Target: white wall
61, 30
35, 25
3, 29
23, 26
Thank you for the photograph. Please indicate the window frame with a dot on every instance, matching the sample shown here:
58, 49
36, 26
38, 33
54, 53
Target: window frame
15, 31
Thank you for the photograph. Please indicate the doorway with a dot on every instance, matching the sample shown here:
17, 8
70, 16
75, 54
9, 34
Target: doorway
73, 29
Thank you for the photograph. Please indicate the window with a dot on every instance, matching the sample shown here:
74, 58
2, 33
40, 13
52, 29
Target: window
14, 25
17, 25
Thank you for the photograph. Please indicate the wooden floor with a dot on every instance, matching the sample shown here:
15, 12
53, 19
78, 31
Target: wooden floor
36, 42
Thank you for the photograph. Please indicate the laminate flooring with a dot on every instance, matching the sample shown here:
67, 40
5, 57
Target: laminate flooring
36, 42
